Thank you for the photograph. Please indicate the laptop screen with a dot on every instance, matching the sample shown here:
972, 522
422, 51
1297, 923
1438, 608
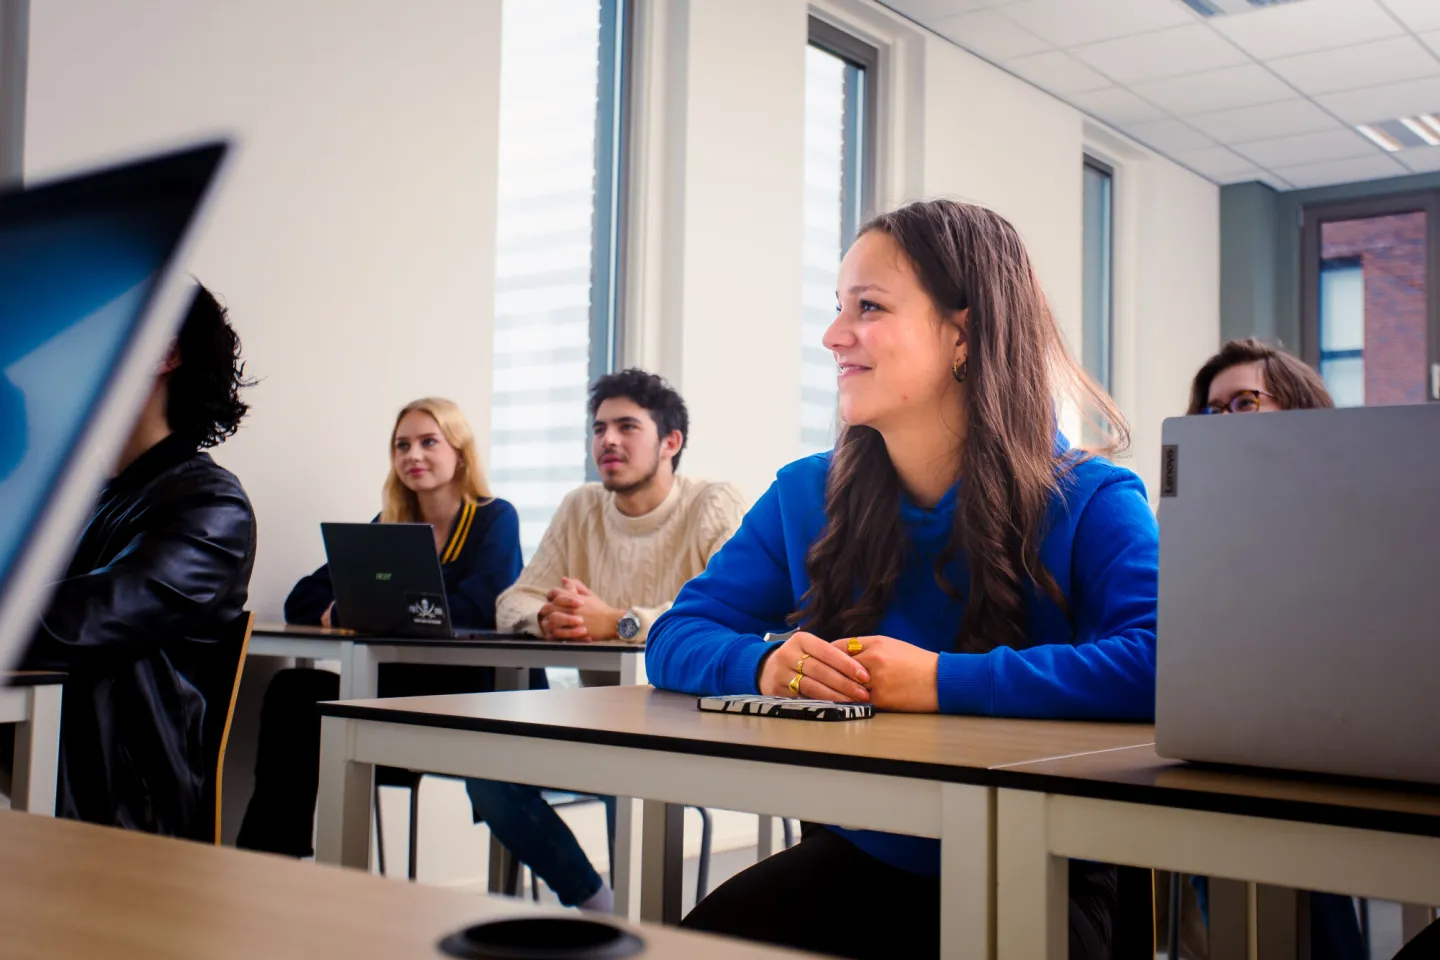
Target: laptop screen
80, 262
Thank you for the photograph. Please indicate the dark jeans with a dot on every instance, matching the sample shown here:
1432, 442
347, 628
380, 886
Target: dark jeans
281, 814
521, 819
827, 896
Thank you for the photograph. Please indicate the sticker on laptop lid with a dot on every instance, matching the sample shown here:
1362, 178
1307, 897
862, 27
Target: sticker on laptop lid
426, 609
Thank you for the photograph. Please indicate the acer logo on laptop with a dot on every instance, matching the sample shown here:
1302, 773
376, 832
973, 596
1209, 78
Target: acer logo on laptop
382, 576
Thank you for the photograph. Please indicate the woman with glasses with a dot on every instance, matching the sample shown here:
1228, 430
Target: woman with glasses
1247, 376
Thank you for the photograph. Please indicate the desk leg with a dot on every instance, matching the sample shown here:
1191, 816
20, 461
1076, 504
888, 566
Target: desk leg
632, 669
1229, 919
1031, 888
512, 678
967, 871
359, 671
37, 752
343, 806
1413, 919
624, 871
765, 839
662, 860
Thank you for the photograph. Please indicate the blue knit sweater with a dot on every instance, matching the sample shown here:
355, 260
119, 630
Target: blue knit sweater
1102, 547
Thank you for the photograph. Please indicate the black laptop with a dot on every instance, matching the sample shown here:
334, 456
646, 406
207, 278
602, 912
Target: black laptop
387, 579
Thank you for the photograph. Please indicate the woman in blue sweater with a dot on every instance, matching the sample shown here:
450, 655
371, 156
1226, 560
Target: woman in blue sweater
952, 554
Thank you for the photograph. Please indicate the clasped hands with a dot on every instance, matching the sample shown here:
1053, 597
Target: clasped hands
888, 673
573, 612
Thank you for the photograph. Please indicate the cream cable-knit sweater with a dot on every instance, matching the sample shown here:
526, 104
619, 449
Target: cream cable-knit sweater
637, 563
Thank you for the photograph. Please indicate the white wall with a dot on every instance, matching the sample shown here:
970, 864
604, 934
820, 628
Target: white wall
716, 292
354, 240
993, 139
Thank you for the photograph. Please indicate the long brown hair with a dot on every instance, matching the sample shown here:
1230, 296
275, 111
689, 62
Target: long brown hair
400, 505
1018, 366
1293, 382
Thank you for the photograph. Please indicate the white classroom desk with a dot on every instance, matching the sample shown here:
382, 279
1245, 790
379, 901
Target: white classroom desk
513, 656
923, 775
31, 700
1130, 806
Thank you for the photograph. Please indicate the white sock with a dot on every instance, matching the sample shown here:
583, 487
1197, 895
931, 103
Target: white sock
602, 902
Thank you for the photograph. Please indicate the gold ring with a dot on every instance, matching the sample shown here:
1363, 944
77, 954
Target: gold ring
795, 685
855, 646
800, 667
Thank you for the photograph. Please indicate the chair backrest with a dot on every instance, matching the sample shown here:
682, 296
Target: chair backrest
222, 687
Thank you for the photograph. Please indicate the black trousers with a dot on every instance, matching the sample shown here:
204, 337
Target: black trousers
827, 896
281, 814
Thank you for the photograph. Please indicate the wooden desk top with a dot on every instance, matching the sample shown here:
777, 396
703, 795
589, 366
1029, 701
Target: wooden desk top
1139, 775
925, 746
77, 890
31, 678
479, 638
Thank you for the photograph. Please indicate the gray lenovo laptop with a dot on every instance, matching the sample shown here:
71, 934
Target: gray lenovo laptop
1300, 591
89, 301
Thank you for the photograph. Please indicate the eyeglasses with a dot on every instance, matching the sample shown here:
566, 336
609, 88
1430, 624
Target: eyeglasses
1244, 401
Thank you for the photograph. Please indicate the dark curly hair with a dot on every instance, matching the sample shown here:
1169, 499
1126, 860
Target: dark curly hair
204, 406
658, 398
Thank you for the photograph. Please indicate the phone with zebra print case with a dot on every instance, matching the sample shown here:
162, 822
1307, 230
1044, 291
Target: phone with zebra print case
786, 708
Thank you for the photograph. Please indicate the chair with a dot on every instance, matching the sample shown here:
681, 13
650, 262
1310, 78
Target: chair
218, 678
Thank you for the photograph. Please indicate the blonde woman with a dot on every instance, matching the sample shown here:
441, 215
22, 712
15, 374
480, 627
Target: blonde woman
435, 477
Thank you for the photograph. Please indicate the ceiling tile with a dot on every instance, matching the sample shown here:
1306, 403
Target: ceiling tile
1067, 23
1165, 53
1364, 65
1267, 120
1420, 159
1216, 90
1342, 171
1291, 28
1341, 144
1384, 103
1432, 39
1417, 14
989, 34
1217, 163
926, 10
1168, 136
1116, 105
1057, 72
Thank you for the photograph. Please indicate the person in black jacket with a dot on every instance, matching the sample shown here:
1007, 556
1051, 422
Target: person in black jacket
436, 477
161, 573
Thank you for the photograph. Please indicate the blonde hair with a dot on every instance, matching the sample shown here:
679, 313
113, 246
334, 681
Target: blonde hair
400, 502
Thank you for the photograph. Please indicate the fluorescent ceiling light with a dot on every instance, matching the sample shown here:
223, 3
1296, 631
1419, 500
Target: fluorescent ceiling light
1421, 130
1378, 137
1431, 121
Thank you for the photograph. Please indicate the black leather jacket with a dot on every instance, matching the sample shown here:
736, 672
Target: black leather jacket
162, 569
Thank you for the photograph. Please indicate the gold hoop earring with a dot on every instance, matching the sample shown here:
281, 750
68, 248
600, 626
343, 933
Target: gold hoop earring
960, 370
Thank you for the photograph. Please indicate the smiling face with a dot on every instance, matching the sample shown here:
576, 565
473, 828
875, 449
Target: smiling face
896, 354
423, 459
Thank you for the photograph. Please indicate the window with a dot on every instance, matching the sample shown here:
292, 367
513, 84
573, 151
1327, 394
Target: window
839, 161
1368, 294
557, 249
1098, 313
1342, 329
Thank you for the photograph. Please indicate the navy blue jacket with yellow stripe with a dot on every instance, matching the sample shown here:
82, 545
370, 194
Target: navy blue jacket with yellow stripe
480, 560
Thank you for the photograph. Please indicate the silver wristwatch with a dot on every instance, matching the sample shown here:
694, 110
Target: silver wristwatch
629, 626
